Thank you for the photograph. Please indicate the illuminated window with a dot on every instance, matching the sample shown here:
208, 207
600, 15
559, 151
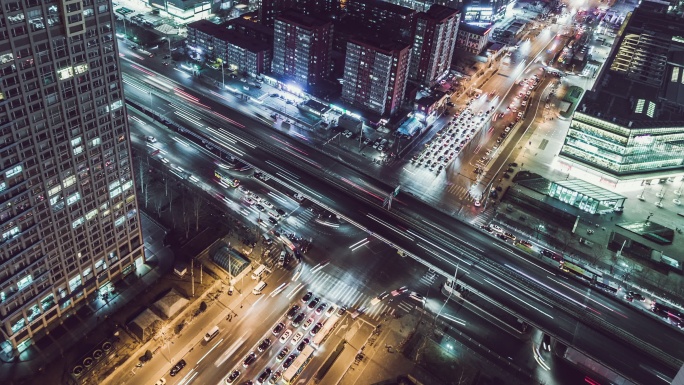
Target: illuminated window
79, 69
22, 283
127, 185
78, 222
13, 171
73, 198
68, 181
10, 233
65, 73
95, 142
651, 109
114, 185
54, 190
76, 142
640, 106
675, 74
119, 221
91, 214
115, 192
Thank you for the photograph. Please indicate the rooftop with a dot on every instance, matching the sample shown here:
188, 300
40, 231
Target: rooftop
295, 17
644, 85
386, 46
591, 190
390, 7
440, 12
233, 37
482, 31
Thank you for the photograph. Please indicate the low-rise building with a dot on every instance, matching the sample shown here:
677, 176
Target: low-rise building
237, 51
472, 38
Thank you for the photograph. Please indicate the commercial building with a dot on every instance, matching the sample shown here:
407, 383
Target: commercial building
375, 74
184, 10
301, 49
433, 44
631, 126
229, 46
472, 38
70, 224
484, 13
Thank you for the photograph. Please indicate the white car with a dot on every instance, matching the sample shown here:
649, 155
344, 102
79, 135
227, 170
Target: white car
162, 381
417, 297
267, 204
296, 338
243, 189
249, 201
496, 228
308, 324
285, 336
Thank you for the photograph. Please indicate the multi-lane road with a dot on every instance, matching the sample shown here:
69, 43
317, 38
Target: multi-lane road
544, 297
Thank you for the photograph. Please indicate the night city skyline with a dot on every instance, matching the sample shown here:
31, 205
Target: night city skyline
342, 192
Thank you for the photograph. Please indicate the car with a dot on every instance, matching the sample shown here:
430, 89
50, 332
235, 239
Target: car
507, 129
232, 376
510, 236
525, 243
520, 114
301, 346
341, 311
151, 139
632, 295
275, 377
320, 308
243, 189
278, 328
264, 375
316, 328
366, 140
281, 212
307, 297
267, 204
283, 353
298, 320
417, 297
293, 310
285, 336
264, 345
313, 303
273, 221
330, 311
178, 367
524, 103
381, 147
249, 359
501, 236
249, 201
496, 228
161, 381
296, 338
308, 324
289, 361
399, 291
486, 228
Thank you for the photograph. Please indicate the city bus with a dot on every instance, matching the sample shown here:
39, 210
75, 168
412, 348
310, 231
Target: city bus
325, 330
226, 180
298, 365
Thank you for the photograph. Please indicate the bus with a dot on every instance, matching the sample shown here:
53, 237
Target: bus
298, 365
325, 330
226, 180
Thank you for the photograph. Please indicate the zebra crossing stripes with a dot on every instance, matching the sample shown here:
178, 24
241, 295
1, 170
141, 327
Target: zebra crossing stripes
405, 307
460, 191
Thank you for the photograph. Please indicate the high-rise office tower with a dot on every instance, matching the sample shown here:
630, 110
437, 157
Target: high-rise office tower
70, 224
375, 74
301, 48
433, 44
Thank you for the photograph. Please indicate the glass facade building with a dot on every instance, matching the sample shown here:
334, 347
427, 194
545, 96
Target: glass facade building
621, 150
586, 196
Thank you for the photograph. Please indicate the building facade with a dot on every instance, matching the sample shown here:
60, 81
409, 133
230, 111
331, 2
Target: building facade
237, 51
375, 75
632, 124
301, 49
472, 38
433, 44
70, 223
184, 10
323, 9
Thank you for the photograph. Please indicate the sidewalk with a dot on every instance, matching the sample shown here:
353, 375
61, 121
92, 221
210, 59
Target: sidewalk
42, 356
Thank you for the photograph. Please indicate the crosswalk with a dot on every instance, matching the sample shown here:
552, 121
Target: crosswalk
460, 191
484, 217
293, 223
334, 290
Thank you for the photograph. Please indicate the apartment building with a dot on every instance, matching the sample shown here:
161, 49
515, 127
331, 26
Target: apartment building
375, 74
433, 44
68, 211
